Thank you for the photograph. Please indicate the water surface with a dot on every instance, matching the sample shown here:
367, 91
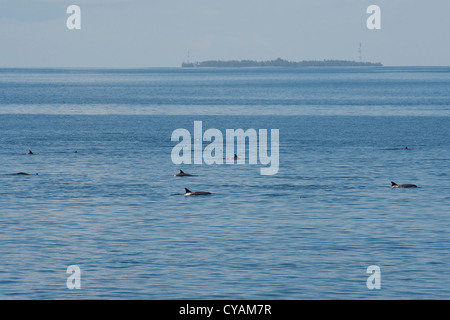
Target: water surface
105, 197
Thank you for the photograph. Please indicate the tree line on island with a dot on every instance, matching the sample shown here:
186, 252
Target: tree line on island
278, 63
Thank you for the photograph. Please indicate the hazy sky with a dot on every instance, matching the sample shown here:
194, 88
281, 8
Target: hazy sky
159, 33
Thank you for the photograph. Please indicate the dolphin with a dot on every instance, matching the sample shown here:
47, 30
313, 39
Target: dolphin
182, 174
22, 174
196, 193
394, 185
235, 157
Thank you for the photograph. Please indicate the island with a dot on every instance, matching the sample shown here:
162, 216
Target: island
277, 63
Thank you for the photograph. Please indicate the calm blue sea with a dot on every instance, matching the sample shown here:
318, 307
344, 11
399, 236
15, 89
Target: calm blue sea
105, 198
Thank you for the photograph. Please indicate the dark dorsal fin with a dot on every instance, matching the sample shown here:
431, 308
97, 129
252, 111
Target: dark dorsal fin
187, 190
181, 171
393, 183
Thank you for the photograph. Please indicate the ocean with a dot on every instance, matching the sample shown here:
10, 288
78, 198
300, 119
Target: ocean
101, 192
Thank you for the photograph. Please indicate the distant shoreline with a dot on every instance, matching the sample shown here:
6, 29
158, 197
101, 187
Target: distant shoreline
278, 63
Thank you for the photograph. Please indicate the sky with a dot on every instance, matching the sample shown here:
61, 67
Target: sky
164, 33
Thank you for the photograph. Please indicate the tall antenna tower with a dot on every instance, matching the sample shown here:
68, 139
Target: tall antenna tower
360, 52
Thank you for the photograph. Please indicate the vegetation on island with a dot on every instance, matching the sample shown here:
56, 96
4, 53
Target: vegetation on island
278, 63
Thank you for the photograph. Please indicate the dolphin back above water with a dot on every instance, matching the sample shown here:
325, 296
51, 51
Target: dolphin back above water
196, 193
23, 174
183, 174
394, 185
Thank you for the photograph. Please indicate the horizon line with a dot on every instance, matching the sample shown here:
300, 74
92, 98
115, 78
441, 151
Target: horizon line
180, 67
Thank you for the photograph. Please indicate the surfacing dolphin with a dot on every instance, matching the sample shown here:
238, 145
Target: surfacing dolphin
394, 185
23, 174
196, 193
183, 174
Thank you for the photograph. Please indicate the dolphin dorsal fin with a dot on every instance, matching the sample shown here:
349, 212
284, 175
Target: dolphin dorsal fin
393, 183
181, 171
187, 190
